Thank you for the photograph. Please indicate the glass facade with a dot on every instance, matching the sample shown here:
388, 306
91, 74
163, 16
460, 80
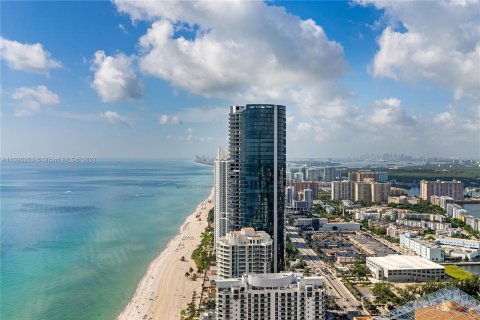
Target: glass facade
258, 165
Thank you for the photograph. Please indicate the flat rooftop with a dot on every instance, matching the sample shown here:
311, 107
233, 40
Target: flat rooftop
396, 262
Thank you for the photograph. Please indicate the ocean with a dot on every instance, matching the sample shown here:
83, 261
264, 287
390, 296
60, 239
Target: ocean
77, 238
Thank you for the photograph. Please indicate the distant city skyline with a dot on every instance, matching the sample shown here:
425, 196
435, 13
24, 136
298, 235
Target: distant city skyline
155, 79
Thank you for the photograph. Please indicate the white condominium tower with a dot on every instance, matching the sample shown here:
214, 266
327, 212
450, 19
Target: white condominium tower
221, 168
244, 251
271, 296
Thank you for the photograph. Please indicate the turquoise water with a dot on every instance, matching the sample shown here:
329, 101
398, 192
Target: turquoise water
76, 239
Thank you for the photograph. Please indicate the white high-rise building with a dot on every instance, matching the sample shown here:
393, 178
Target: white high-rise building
221, 169
308, 196
298, 176
270, 297
290, 195
244, 251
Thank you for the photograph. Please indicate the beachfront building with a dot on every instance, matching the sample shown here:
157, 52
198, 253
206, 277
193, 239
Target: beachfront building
422, 248
452, 189
221, 172
271, 296
244, 251
399, 268
256, 191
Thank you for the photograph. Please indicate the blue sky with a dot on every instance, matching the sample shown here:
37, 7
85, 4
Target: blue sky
155, 79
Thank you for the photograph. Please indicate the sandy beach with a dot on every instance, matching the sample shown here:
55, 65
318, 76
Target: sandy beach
164, 290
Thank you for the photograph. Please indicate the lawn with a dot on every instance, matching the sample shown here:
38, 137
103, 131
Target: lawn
456, 272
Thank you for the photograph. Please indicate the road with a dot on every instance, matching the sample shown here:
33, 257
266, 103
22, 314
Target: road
334, 287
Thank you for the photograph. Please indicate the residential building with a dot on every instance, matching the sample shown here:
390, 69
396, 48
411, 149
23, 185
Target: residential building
424, 224
221, 173
274, 296
453, 189
298, 176
422, 248
244, 251
365, 215
399, 268
308, 196
363, 191
289, 195
313, 174
329, 173
380, 192
441, 201
421, 216
404, 200
343, 190
300, 186
381, 177
257, 145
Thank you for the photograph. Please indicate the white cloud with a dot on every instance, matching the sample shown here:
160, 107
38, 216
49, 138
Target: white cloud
31, 99
27, 57
166, 119
114, 117
115, 78
390, 112
441, 43
239, 55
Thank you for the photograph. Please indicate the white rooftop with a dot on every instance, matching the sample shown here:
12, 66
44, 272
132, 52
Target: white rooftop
395, 262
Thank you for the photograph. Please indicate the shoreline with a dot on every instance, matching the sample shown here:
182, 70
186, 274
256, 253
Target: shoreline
164, 290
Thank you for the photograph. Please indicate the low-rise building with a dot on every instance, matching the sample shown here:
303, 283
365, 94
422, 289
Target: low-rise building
270, 296
424, 224
422, 248
403, 200
364, 215
421, 216
455, 242
399, 268
338, 226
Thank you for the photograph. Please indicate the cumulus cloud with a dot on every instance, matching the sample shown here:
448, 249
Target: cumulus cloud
256, 52
32, 99
390, 112
114, 117
27, 57
115, 78
440, 42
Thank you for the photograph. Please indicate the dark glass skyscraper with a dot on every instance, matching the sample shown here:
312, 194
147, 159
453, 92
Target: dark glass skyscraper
257, 145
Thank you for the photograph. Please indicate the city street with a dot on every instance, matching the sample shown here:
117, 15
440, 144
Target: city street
334, 287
